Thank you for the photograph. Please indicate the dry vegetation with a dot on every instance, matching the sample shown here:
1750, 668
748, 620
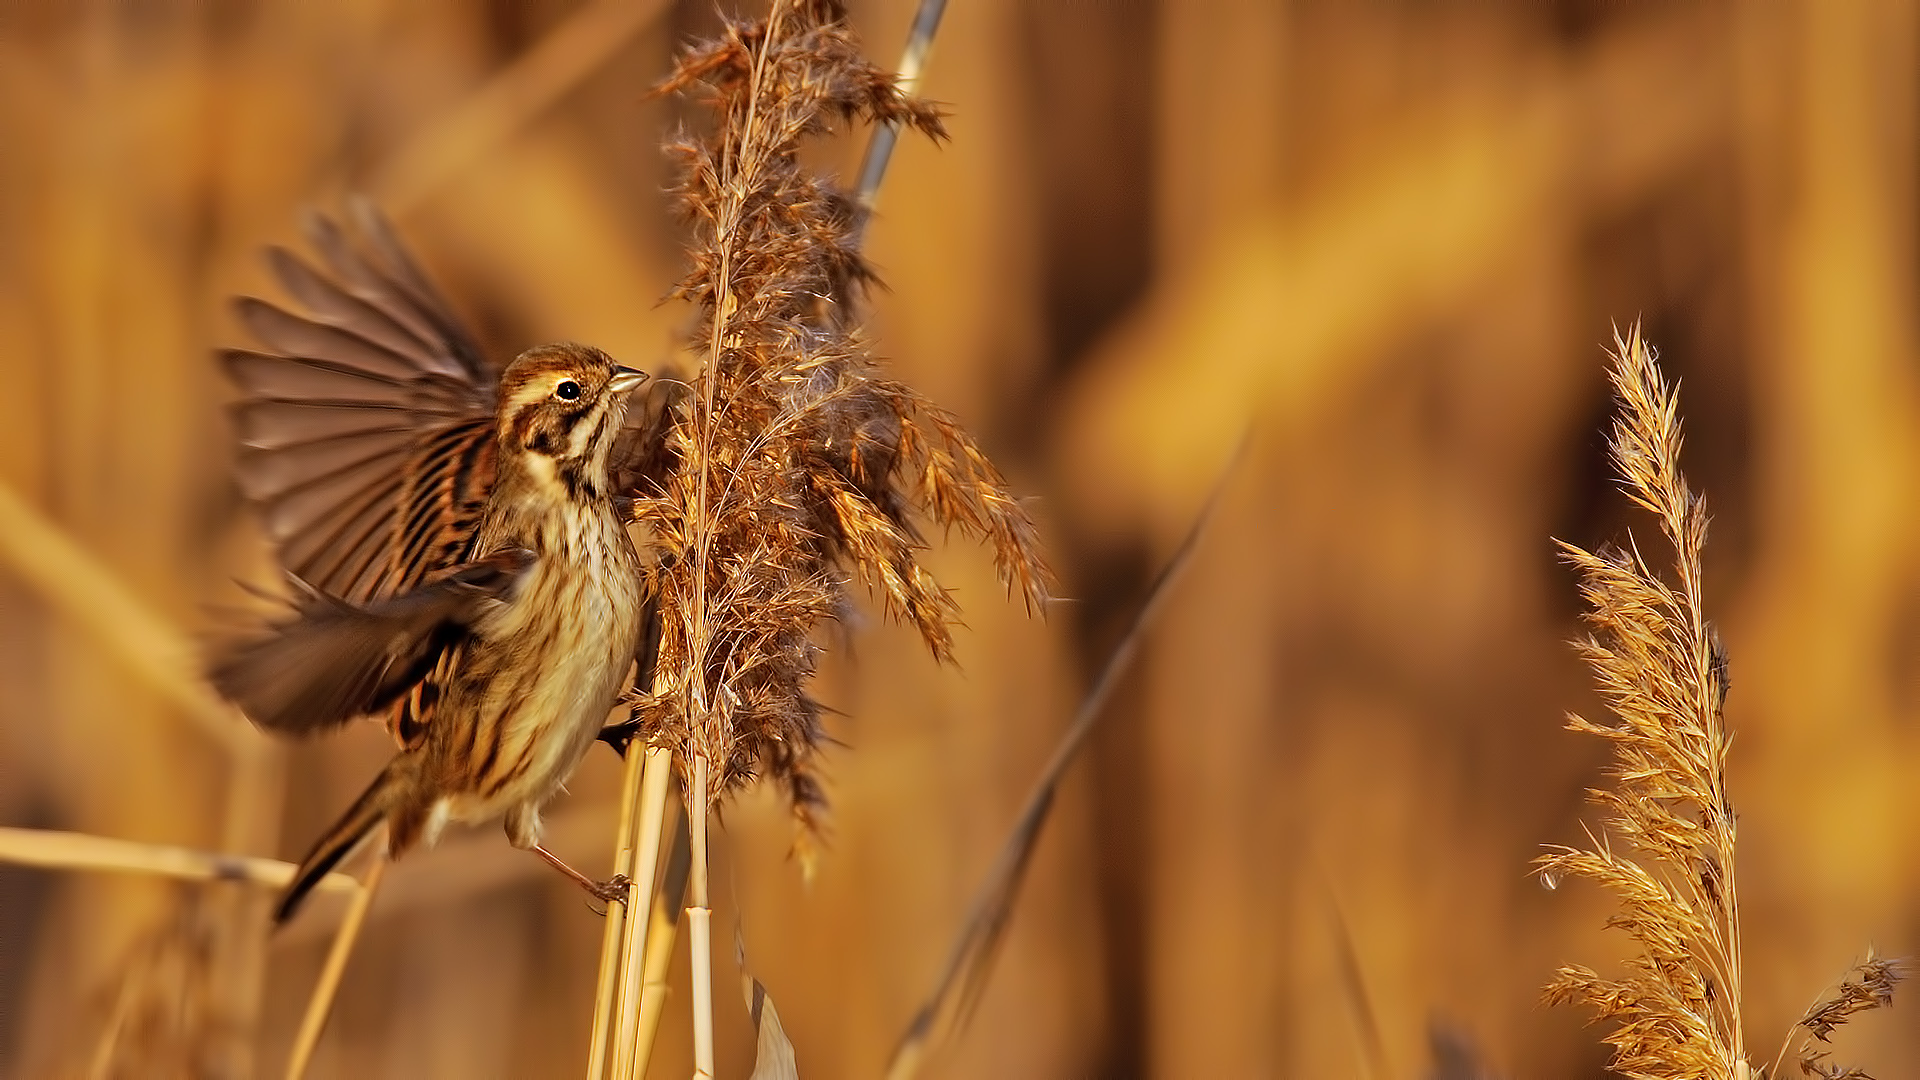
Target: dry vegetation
1663, 671
1385, 236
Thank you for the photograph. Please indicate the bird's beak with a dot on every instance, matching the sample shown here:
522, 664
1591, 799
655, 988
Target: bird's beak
625, 379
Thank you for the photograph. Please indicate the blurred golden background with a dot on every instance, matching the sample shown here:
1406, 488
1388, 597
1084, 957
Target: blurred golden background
1388, 238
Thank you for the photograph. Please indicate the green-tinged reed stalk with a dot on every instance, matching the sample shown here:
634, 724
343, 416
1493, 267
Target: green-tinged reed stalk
1667, 852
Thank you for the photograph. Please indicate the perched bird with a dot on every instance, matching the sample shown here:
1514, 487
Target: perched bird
458, 534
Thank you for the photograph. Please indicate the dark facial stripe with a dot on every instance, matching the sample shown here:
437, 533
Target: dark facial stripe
578, 479
534, 428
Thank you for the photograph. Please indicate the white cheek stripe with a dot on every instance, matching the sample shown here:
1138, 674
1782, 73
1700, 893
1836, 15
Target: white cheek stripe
582, 435
540, 467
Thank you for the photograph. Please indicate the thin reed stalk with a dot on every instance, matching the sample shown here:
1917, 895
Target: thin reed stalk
95, 596
873, 166
964, 978
327, 987
622, 979
55, 850
663, 927
699, 925
613, 931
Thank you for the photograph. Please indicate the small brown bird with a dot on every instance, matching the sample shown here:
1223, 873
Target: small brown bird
467, 566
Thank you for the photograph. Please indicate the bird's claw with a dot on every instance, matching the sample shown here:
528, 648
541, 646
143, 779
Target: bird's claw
619, 735
618, 888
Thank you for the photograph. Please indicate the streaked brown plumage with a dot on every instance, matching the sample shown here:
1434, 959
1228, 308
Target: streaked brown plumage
469, 569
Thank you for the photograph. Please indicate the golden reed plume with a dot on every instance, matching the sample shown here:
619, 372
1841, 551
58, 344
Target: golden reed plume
1662, 670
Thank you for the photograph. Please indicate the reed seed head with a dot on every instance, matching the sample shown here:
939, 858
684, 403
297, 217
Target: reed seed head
801, 467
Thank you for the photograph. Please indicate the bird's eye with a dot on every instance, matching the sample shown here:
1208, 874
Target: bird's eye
567, 390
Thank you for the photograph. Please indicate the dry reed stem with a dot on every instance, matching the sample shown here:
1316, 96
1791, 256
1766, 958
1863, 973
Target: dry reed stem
92, 595
1370, 1049
798, 466
699, 923
663, 927
100, 1066
510, 100
963, 978
54, 850
606, 991
627, 976
320, 1003
255, 798
873, 167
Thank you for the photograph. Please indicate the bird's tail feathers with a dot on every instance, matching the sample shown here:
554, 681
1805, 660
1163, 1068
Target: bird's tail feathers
373, 807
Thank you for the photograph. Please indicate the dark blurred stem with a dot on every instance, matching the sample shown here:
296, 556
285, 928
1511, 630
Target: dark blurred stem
880, 147
964, 978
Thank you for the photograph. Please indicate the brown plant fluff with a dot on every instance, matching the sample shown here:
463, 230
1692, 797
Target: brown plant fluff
1867, 987
802, 467
163, 1014
1661, 668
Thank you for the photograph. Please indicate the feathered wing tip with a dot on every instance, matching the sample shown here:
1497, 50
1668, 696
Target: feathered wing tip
334, 660
362, 422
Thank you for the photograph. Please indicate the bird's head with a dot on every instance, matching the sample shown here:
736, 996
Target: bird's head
560, 412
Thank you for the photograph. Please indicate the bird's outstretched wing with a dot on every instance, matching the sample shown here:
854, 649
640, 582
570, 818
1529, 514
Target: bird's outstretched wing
334, 660
366, 424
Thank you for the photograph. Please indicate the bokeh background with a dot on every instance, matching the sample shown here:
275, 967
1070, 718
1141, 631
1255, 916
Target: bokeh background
1387, 239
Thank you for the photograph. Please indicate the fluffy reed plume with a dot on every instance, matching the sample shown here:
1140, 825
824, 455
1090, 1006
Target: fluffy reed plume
1659, 665
1661, 668
801, 466
800, 469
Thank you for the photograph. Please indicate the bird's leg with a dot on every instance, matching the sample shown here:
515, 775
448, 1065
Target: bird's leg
523, 831
618, 887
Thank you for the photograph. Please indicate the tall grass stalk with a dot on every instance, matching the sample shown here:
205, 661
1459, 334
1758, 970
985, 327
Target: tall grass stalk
1667, 852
